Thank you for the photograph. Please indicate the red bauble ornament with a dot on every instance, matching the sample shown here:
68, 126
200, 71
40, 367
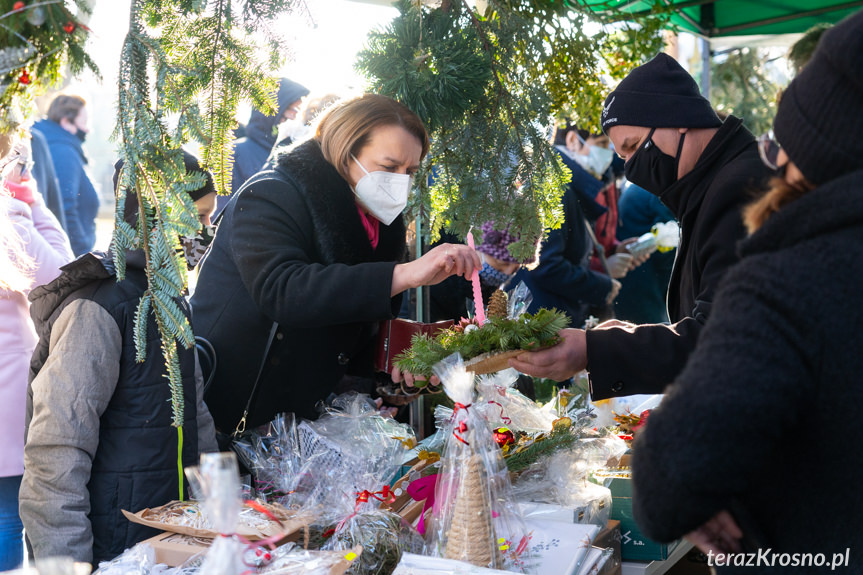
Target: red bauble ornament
69, 27
18, 6
24, 78
503, 436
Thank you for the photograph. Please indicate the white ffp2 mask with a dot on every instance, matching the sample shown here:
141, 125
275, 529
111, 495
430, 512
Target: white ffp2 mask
383, 194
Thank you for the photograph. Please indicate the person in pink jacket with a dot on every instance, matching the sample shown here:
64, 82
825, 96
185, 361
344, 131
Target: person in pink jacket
33, 246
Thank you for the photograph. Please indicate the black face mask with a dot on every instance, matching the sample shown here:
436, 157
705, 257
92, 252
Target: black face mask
651, 168
81, 135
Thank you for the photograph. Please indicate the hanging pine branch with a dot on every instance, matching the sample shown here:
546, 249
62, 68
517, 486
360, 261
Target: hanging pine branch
38, 39
487, 84
185, 67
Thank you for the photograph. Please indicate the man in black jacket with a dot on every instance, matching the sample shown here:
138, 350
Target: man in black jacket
705, 171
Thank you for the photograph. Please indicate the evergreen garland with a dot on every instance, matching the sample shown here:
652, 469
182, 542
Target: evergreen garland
38, 39
531, 449
185, 66
487, 85
498, 334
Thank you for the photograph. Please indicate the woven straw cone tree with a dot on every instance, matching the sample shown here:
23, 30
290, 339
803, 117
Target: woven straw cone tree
471, 534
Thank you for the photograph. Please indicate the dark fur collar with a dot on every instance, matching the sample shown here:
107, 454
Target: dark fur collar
339, 233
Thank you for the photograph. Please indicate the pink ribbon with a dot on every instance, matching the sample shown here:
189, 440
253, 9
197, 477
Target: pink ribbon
423, 489
477, 290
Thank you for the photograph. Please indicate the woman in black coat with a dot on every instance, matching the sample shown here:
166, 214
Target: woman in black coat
307, 256
754, 447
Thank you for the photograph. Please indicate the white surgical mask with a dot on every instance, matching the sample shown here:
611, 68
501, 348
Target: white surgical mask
383, 194
597, 159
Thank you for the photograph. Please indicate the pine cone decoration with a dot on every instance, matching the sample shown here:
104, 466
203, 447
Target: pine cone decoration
497, 305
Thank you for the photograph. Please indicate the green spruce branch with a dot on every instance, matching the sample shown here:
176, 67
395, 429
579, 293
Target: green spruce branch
38, 43
185, 67
522, 457
528, 332
487, 86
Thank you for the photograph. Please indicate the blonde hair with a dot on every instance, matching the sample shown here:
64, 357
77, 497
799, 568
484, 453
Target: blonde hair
346, 127
779, 194
16, 266
317, 106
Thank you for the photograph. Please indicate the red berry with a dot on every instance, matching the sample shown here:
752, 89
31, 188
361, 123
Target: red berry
18, 6
69, 27
24, 78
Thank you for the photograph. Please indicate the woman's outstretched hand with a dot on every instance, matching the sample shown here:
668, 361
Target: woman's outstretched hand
438, 264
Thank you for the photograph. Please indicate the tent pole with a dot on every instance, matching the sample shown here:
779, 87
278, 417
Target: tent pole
705, 67
416, 408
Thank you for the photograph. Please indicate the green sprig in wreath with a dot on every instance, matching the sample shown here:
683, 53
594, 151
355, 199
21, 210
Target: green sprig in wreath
498, 335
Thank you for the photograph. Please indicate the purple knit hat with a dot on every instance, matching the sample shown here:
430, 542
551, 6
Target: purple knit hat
495, 243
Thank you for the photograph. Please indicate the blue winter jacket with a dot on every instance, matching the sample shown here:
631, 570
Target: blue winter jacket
563, 279
80, 200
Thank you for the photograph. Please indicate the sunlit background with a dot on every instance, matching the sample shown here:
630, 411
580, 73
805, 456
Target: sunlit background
324, 39
324, 35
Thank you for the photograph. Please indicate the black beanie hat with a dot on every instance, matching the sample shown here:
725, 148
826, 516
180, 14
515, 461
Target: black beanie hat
820, 114
658, 94
192, 165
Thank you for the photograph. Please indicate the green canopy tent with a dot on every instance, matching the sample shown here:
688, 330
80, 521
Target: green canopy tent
714, 18
727, 18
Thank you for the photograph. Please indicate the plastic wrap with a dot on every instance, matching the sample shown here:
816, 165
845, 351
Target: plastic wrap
475, 518
352, 454
606, 409
414, 491
349, 449
503, 405
272, 454
137, 560
519, 299
563, 478
383, 535
217, 482
291, 560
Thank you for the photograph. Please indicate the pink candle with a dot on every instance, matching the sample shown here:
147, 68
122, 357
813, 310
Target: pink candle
477, 290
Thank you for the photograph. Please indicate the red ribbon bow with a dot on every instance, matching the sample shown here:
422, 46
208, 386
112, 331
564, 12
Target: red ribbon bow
384, 496
461, 427
503, 416
258, 553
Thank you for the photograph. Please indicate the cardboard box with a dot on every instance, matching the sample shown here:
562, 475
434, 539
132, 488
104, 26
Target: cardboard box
174, 549
609, 538
634, 545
